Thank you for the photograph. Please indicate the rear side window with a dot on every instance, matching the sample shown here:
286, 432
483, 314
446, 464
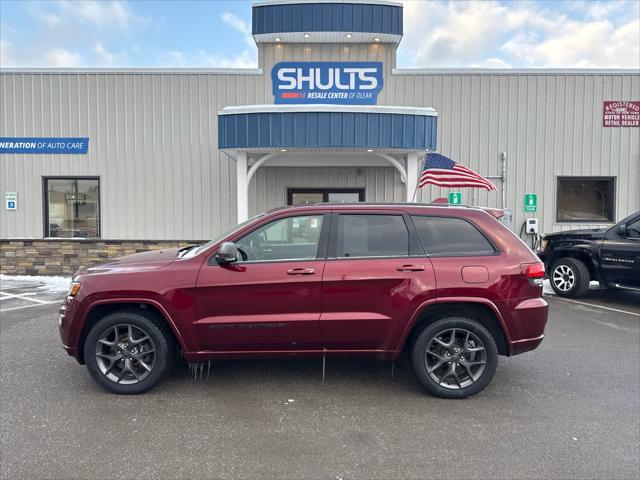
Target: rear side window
372, 236
443, 236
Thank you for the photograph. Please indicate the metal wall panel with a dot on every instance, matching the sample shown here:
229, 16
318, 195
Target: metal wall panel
154, 139
327, 17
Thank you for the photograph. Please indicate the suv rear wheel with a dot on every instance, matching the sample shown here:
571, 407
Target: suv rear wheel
126, 352
569, 277
454, 357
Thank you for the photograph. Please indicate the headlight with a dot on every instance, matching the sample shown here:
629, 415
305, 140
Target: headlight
543, 245
74, 288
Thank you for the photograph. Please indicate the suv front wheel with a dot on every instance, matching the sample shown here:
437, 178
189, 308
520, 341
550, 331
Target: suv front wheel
454, 357
127, 352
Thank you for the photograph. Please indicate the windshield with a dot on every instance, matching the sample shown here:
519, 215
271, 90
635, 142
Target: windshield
201, 248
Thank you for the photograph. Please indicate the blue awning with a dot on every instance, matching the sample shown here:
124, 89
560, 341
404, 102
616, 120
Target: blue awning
327, 126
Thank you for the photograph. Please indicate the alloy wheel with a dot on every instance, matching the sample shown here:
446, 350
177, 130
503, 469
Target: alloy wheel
125, 354
455, 358
563, 278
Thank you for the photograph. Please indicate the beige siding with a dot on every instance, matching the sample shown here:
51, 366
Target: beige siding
153, 140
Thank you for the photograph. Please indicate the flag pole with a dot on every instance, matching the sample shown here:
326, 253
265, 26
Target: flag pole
415, 188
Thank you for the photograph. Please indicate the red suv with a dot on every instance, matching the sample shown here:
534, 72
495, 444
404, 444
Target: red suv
451, 286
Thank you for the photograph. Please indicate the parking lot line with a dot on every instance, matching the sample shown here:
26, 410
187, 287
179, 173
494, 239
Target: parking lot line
597, 306
21, 296
29, 306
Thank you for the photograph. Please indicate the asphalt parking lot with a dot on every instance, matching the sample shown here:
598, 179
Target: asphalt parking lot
569, 409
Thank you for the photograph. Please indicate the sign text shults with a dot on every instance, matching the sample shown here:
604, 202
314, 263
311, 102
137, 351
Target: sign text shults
327, 82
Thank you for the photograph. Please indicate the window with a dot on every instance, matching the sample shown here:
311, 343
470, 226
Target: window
585, 199
372, 236
291, 238
443, 236
72, 207
306, 196
633, 229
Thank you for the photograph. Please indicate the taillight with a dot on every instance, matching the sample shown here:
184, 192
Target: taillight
534, 272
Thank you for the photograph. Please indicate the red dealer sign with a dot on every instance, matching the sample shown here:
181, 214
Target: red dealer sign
621, 114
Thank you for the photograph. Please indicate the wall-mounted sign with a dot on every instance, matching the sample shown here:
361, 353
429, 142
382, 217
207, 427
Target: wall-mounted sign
11, 200
350, 83
455, 198
621, 114
41, 145
530, 202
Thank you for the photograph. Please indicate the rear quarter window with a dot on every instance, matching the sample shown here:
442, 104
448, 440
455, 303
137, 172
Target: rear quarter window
445, 236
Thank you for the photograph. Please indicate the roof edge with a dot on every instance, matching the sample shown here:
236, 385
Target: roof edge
287, 108
515, 71
150, 70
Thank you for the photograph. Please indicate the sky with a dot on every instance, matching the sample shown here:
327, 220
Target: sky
207, 34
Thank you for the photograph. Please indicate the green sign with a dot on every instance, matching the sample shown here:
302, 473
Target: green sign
455, 198
530, 202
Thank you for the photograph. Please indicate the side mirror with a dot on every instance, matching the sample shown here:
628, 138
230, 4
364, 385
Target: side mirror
228, 253
622, 230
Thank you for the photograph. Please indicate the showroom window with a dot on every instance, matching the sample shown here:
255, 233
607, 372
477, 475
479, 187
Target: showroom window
585, 199
72, 207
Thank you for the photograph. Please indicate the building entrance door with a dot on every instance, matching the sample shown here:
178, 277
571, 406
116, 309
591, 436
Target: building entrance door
307, 196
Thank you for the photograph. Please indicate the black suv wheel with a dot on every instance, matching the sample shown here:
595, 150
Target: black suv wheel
127, 352
569, 277
454, 357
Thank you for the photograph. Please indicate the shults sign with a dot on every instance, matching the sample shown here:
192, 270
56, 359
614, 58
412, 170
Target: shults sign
349, 83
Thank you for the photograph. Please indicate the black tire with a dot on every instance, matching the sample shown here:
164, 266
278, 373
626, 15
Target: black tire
437, 331
159, 338
577, 274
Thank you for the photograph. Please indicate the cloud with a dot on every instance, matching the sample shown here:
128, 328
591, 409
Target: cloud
103, 14
59, 57
521, 34
7, 58
204, 59
240, 25
491, 63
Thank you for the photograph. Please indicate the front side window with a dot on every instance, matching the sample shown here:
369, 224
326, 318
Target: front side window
372, 236
72, 207
442, 236
585, 199
291, 238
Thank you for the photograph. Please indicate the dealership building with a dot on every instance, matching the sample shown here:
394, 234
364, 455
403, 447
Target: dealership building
101, 162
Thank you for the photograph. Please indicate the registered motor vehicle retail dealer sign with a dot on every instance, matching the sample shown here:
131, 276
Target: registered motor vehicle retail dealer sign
349, 83
44, 145
621, 113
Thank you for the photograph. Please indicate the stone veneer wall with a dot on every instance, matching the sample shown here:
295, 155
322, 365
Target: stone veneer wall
64, 257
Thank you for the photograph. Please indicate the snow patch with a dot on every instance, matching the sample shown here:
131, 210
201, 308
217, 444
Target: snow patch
42, 283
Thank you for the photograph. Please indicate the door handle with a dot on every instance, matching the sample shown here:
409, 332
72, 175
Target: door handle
301, 271
410, 268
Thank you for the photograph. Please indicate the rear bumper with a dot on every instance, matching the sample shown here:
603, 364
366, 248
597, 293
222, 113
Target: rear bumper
525, 345
529, 319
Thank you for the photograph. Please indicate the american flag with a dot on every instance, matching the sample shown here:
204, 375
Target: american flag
444, 172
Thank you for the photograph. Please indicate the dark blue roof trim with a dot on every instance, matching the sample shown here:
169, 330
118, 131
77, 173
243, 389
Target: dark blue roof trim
326, 130
327, 17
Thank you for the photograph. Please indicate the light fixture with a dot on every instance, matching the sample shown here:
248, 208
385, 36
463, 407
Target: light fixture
277, 39
369, 150
306, 35
348, 35
283, 149
376, 39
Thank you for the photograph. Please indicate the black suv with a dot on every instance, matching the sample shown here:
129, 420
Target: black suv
610, 255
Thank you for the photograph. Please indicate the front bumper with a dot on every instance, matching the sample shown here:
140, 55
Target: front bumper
65, 320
